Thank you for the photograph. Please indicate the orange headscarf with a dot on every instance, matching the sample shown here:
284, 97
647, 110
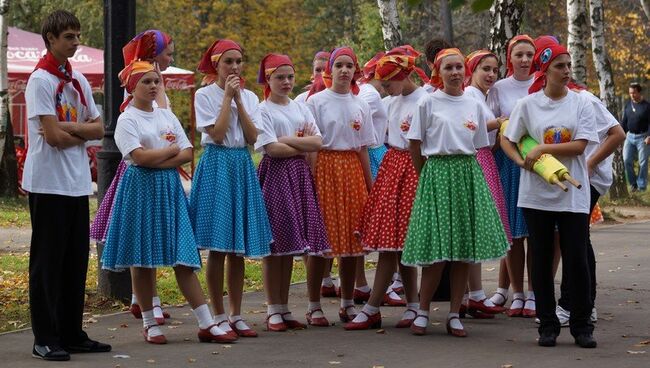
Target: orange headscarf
146, 46
369, 67
267, 66
210, 59
130, 75
341, 51
398, 64
472, 60
436, 80
515, 40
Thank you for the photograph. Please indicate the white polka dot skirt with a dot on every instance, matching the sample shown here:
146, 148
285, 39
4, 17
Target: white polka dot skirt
150, 224
453, 217
226, 205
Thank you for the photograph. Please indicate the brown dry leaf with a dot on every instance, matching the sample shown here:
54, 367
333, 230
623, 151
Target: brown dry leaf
117, 366
186, 314
85, 314
636, 351
186, 339
151, 361
377, 366
506, 366
490, 269
124, 325
381, 331
436, 309
645, 342
435, 323
227, 346
215, 353
334, 362
91, 320
172, 327
112, 328
191, 360
177, 322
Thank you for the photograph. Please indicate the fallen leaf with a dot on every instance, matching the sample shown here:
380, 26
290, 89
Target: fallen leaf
636, 351
121, 356
334, 362
490, 269
340, 355
436, 309
151, 361
172, 327
227, 346
112, 328
124, 325
506, 366
117, 366
177, 322
215, 353
186, 339
377, 366
381, 331
645, 342
191, 360
435, 323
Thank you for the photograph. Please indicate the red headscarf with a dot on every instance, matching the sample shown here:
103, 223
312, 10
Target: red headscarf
543, 59
210, 59
515, 40
317, 85
472, 60
327, 75
130, 75
541, 43
369, 67
398, 64
436, 80
322, 55
146, 46
267, 66
64, 73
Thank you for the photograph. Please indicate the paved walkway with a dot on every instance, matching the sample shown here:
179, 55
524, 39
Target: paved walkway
623, 254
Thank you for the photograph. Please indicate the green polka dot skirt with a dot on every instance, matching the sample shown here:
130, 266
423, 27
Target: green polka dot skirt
454, 217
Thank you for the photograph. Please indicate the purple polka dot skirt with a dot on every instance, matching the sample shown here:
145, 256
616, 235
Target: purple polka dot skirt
99, 227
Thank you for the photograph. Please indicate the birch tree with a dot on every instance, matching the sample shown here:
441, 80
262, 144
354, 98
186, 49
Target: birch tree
646, 8
390, 26
578, 29
505, 19
607, 88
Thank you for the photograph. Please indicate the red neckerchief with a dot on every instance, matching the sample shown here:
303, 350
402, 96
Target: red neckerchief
52, 66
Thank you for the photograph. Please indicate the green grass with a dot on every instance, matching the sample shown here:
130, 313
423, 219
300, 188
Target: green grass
14, 212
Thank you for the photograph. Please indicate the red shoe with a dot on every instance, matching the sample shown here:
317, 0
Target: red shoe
462, 311
248, 332
292, 323
529, 313
406, 322
317, 321
160, 321
159, 340
392, 302
417, 330
136, 311
481, 307
477, 314
373, 321
455, 331
344, 316
399, 290
360, 297
232, 333
505, 299
275, 327
515, 312
206, 336
328, 291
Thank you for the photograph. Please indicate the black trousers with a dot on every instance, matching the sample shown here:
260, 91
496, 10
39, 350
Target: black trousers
573, 228
565, 298
58, 263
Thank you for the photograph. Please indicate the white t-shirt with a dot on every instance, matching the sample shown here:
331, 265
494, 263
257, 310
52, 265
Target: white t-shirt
379, 115
602, 176
302, 98
150, 130
429, 88
50, 170
505, 93
400, 115
476, 94
281, 121
448, 125
207, 104
344, 120
549, 121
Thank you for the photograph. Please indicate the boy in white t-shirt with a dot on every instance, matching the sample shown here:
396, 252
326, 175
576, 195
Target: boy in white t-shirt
62, 117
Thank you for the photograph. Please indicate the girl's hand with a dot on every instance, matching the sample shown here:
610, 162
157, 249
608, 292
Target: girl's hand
232, 86
532, 157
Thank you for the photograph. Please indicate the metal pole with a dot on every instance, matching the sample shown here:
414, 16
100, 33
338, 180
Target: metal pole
119, 28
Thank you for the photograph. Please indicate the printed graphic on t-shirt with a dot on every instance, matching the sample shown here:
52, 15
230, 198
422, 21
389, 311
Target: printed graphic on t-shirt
300, 132
557, 135
469, 124
168, 135
356, 124
405, 125
65, 111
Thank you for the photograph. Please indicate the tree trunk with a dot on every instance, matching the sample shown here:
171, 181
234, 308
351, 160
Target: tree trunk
607, 89
577, 38
8, 169
446, 21
646, 8
390, 26
505, 18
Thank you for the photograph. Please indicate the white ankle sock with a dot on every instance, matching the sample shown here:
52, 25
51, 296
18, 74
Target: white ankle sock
396, 284
393, 295
134, 300
274, 312
421, 322
204, 317
313, 306
148, 321
157, 312
465, 300
347, 302
408, 313
348, 305
497, 298
397, 277
220, 318
286, 313
327, 281
155, 301
238, 322
365, 288
454, 322
516, 303
477, 295
361, 317
530, 300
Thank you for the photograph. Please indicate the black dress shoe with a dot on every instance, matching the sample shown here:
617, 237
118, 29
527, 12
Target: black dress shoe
88, 346
547, 339
50, 352
586, 341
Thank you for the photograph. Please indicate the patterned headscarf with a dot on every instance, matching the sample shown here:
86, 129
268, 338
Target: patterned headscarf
398, 64
267, 66
210, 59
473, 60
543, 59
369, 67
130, 76
436, 80
146, 46
515, 40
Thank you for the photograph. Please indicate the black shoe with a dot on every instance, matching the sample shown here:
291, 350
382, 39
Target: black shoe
586, 341
50, 352
547, 339
88, 346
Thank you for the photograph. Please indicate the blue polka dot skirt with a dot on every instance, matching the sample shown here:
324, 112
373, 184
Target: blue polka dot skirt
226, 205
150, 225
376, 155
509, 174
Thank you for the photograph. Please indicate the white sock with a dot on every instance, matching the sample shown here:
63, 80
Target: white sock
421, 322
454, 322
220, 318
361, 317
157, 312
497, 298
346, 303
397, 277
238, 322
479, 295
396, 284
134, 300
286, 313
530, 300
148, 321
465, 300
156, 301
392, 295
408, 313
327, 281
274, 312
517, 301
365, 288
312, 307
